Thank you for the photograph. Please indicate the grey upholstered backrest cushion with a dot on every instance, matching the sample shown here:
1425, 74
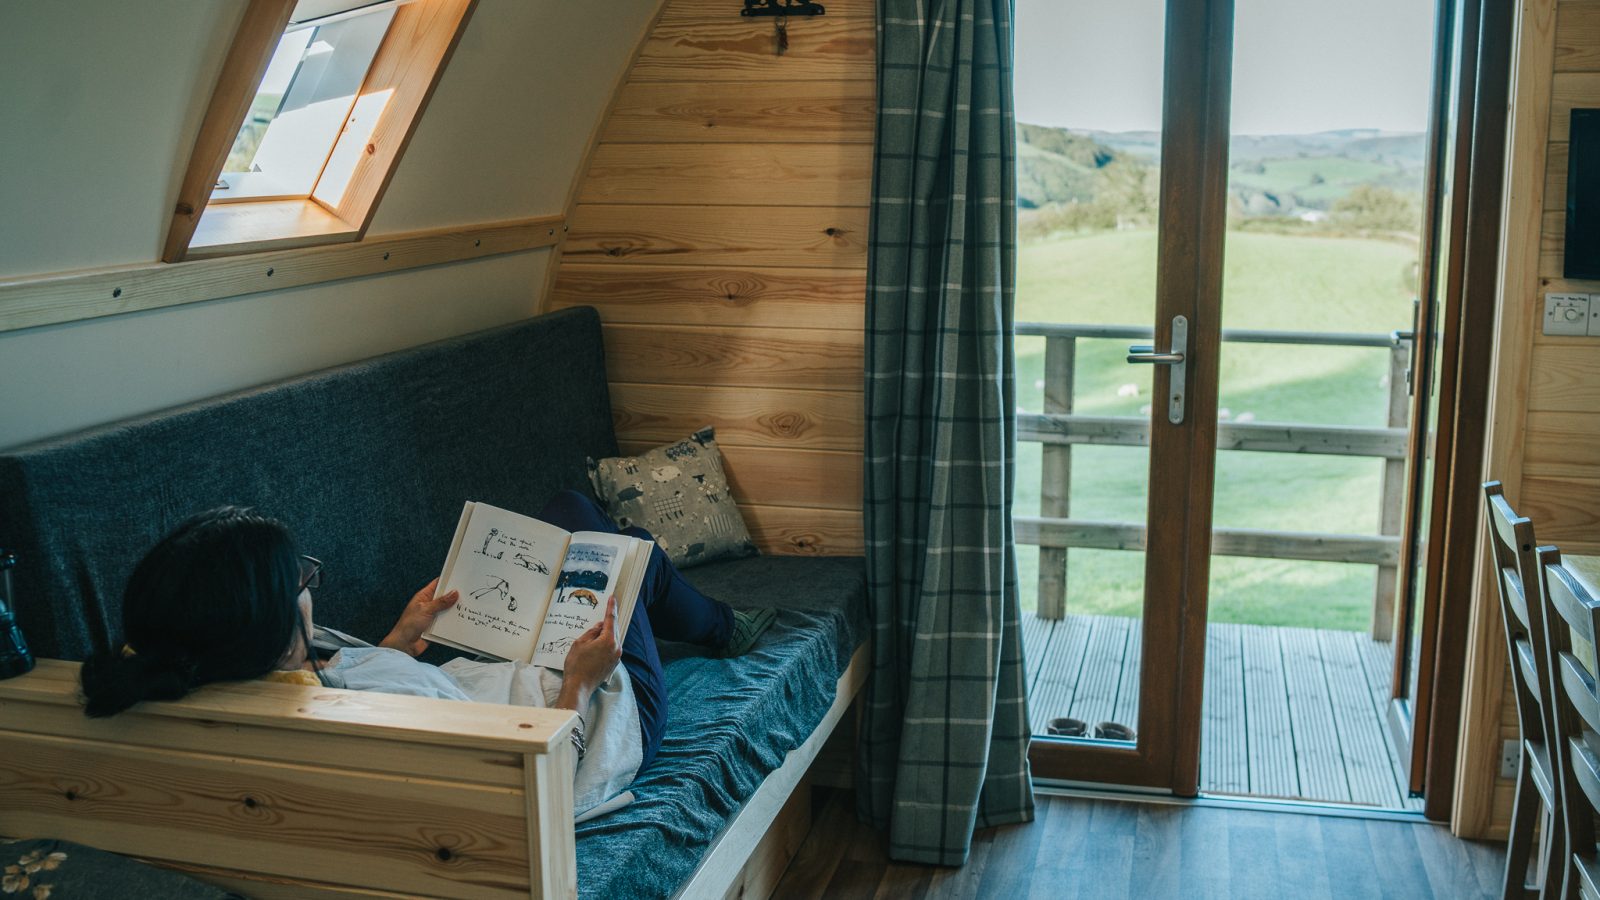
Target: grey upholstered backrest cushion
368, 463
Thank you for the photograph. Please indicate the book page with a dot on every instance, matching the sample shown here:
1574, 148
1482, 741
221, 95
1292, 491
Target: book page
505, 566
589, 576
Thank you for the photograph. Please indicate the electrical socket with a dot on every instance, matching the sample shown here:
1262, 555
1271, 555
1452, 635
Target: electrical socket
1566, 314
1510, 754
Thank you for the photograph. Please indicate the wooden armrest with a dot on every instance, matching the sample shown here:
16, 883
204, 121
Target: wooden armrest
418, 720
249, 784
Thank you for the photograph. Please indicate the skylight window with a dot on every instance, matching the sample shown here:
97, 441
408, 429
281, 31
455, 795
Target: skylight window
313, 107
306, 100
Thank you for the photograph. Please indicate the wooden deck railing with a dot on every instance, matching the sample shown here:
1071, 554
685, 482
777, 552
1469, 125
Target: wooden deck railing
1058, 428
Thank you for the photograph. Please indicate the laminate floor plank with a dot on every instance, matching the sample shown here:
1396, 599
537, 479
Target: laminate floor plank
1253, 873
1399, 858
1158, 849
1065, 838
1356, 873
1105, 848
1204, 841
1302, 861
1012, 843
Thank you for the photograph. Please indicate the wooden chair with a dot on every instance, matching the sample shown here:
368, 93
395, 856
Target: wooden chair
1522, 607
1575, 720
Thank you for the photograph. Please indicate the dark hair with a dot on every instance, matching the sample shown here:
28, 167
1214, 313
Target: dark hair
215, 600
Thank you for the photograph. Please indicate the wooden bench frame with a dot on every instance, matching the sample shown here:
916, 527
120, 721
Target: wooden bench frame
285, 791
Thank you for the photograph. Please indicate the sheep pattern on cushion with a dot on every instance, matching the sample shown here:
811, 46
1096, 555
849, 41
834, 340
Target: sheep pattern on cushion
679, 493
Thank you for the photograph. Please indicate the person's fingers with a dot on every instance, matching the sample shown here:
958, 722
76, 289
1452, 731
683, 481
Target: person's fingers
611, 614
448, 600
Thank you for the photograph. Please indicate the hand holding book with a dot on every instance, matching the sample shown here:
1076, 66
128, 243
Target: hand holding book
417, 618
593, 657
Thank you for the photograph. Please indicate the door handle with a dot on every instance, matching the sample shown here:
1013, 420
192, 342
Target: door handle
1174, 357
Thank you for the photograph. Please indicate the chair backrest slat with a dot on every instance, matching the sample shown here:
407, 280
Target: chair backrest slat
1574, 709
1521, 609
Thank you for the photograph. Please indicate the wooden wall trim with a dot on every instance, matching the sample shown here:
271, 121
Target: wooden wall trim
1478, 760
34, 300
408, 65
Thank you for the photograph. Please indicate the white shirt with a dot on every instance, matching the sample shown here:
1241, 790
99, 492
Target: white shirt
615, 744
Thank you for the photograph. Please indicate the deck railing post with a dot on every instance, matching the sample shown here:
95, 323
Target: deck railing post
1055, 474
1392, 495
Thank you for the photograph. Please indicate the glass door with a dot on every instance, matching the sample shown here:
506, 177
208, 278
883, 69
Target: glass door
1122, 191
1327, 180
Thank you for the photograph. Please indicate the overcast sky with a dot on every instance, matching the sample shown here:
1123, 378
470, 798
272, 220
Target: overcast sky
1298, 65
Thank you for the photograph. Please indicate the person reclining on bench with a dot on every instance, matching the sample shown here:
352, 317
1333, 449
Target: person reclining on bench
227, 597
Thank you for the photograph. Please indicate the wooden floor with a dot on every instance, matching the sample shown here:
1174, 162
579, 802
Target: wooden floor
1114, 849
1288, 712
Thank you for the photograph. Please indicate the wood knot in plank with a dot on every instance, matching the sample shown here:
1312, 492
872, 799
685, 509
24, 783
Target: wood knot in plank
785, 424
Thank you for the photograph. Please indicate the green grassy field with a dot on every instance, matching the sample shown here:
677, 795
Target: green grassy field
1271, 282
1300, 176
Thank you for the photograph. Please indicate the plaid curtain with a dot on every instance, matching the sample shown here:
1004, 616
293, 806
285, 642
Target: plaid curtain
945, 737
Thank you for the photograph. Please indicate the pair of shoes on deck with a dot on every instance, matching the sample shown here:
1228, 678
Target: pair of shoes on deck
1105, 731
748, 626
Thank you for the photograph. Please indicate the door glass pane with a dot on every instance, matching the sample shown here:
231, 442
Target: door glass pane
1088, 151
1325, 190
1411, 623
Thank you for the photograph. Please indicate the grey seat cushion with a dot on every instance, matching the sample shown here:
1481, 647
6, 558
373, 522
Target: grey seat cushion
368, 463
730, 722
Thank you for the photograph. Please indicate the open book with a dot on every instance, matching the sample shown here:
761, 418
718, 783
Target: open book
529, 589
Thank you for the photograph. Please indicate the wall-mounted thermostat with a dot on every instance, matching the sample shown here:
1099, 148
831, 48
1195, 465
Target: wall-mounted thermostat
1568, 314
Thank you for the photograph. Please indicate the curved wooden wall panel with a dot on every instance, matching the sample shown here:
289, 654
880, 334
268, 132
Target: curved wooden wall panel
720, 228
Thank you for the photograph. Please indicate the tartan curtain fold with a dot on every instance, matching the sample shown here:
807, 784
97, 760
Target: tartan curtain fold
945, 735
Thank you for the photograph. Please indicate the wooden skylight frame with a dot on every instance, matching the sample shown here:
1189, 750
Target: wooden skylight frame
408, 63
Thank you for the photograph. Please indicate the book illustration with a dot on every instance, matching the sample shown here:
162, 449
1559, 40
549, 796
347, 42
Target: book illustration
587, 597
500, 586
529, 563
558, 646
488, 541
581, 585
499, 540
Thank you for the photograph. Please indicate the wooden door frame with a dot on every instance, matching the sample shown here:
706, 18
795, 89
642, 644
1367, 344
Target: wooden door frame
1192, 230
1466, 335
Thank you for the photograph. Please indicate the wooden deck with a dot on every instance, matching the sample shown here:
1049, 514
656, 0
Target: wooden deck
1288, 712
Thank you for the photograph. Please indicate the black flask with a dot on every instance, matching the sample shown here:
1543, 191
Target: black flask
14, 656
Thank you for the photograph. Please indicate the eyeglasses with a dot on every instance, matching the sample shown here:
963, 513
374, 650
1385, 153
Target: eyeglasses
310, 573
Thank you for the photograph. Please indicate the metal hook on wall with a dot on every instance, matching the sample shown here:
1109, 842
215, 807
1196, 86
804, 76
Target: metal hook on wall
781, 10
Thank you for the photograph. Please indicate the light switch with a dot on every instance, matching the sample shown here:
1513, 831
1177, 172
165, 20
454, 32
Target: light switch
1566, 314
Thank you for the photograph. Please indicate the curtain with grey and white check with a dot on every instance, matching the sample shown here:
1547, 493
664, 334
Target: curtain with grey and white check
945, 736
